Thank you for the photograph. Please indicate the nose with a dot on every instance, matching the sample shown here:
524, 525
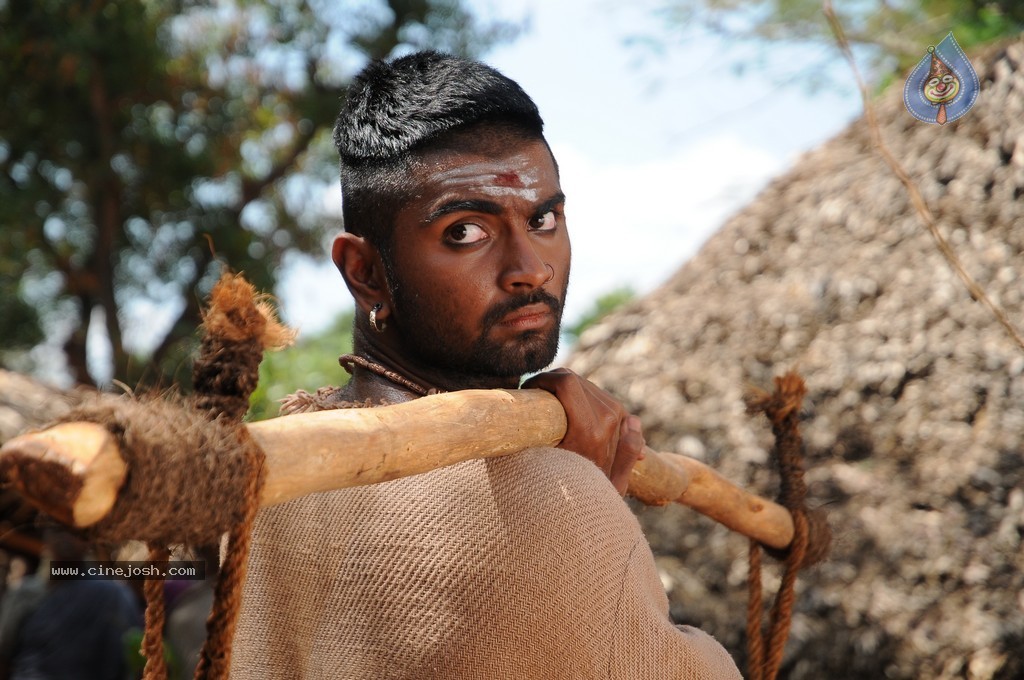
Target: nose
523, 268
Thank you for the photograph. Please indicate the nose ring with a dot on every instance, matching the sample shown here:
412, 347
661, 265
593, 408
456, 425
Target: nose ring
552, 273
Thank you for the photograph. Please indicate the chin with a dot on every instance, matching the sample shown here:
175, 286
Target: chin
529, 354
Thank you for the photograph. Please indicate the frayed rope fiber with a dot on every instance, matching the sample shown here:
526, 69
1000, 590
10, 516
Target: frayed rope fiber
239, 325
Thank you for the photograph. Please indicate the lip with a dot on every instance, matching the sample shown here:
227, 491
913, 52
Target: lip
530, 317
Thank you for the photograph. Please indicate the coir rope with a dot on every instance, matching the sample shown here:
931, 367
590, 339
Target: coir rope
811, 536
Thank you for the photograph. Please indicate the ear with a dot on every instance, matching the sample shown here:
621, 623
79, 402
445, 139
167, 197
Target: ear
361, 267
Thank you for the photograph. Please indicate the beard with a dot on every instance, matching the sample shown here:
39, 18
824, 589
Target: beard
423, 330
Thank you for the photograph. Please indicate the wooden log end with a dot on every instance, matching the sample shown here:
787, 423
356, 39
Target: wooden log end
71, 471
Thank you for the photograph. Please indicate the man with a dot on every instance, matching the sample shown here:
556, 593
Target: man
529, 566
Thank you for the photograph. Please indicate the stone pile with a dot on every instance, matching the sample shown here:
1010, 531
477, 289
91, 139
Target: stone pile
914, 421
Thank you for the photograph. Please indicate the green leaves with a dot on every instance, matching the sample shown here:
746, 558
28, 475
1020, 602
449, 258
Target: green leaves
893, 34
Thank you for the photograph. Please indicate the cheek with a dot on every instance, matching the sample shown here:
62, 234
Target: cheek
469, 298
560, 257
454, 295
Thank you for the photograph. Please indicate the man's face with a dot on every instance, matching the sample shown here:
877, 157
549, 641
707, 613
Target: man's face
481, 260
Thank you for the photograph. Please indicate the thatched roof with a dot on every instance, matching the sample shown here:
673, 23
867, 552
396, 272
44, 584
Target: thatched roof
915, 416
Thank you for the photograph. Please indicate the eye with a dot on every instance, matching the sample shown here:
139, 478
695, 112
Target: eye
933, 81
947, 79
545, 222
465, 233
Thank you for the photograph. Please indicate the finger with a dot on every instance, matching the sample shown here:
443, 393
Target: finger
637, 426
548, 380
630, 450
588, 418
607, 430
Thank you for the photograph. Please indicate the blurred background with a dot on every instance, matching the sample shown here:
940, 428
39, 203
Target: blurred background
144, 145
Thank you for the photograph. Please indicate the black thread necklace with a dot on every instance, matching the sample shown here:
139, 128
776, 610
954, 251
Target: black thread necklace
349, 361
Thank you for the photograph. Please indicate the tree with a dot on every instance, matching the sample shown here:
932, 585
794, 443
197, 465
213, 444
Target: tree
144, 144
895, 32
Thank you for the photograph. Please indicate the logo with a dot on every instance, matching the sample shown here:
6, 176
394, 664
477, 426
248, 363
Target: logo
943, 86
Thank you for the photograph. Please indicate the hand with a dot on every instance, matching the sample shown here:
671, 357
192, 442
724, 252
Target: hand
598, 427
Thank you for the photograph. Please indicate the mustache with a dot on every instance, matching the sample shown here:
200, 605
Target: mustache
499, 311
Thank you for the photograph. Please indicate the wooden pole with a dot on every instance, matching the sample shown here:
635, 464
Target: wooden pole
73, 471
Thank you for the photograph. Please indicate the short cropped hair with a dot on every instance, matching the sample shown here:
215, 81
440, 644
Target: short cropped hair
396, 109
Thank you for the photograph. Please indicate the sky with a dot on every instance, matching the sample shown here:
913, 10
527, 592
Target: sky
656, 148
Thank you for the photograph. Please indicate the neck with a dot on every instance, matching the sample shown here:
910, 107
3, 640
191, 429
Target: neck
370, 384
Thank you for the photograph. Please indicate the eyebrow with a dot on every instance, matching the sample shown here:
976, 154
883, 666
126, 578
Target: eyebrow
551, 203
486, 207
473, 205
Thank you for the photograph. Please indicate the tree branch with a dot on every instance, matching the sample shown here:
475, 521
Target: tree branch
187, 319
252, 188
75, 345
108, 213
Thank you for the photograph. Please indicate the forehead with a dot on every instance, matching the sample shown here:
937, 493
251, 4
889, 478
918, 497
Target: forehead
519, 168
